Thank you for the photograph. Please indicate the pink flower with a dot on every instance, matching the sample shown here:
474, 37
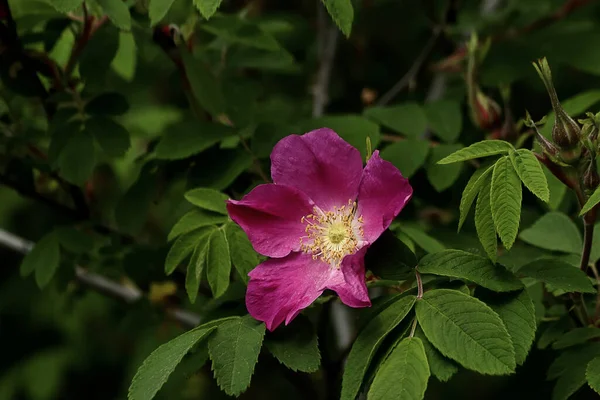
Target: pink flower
316, 222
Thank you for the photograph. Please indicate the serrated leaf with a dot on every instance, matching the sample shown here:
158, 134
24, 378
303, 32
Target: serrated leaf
442, 177
558, 274
296, 346
367, 343
342, 13
205, 87
518, 314
112, 137
191, 137
209, 199
408, 118
445, 119
157, 9
243, 256
407, 155
467, 331
234, 350
403, 374
218, 263
477, 150
118, 12
155, 370
193, 220
484, 221
592, 374
591, 202
506, 196
470, 192
65, 5
184, 246
77, 159
530, 171
554, 231
44, 259
207, 8
441, 367
475, 268
196, 268
570, 369
576, 336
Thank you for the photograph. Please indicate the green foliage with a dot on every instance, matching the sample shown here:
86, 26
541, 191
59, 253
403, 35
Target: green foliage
463, 265
191, 138
218, 262
296, 346
403, 374
208, 199
207, 7
467, 331
111, 136
505, 196
592, 374
558, 274
157, 9
569, 370
485, 148
193, 220
484, 220
445, 119
77, 158
243, 256
442, 177
591, 202
367, 343
184, 245
118, 12
530, 171
554, 231
65, 5
441, 367
474, 185
342, 13
576, 336
408, 119
205, 87
234, 350
43, 259
407, 155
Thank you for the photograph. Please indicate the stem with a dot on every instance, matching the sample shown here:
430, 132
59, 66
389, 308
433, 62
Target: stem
419, 285
588, 236
327, 44
413, 328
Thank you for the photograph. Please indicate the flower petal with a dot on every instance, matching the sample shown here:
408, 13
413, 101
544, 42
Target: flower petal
270, 215
382, 194
280, 288
319, 163
350, 284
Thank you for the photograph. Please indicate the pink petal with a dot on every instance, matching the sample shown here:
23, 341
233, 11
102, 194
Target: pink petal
270, 215
350, 284
382, 194
319, 163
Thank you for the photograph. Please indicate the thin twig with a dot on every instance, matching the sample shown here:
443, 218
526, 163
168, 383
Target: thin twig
419, 285
412, 72
327, 44
588, 236
413, 328
105, 286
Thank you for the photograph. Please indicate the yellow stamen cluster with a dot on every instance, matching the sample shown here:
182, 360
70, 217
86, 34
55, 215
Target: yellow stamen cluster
332, 235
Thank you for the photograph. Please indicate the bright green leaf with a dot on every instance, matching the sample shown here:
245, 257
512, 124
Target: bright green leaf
207, 7
592, 374
342, 13
576, 336
467, 331
193, 220
422, 239
189, 138
408, 119
184, 246
65, 5
118, 12
234, 350
442, 177
403, 374
196, 268
295, 346
554, 231
445, 119
157, 9
470, 192
441, 367
209, 199
475, 268
506, 196
558, 274
530, 171
112, 137
218, 263
243, 256
484, 221
367, 343
591, 202
480, 149
407, 155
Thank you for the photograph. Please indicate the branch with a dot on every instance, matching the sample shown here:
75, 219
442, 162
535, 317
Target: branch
327, 44
105, 286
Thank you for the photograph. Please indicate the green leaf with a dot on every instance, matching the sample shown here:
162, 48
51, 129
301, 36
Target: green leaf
557, 189
234, 350
445, 119
530, 171
470, 192
574, 106
367, 343
342, 13
441, 367
506, 198
44, 259
576, 336
207, 7
518, 314
484, 221
442, 177
407, 155
295, 346
65, 5
196, 268
112, 137
243, 256
184, 246
408, 119
558, 274
570, 368
209, 199
403, 374
118, 12
155, 370
218, 263
189, 138
554, 231
74, 240
157, 9
193, 220
109, 103
592, 374
77, 159
422, 239
97, 56
352, 128
132, 209
205, 87
390, 258
591, 202
484, 148
467, 331
553, 332
463, 265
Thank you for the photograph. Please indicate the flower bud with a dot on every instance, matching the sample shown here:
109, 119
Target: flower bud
547, 146
485, 112
566, 133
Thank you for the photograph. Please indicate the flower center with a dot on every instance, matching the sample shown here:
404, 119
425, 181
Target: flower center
332, 235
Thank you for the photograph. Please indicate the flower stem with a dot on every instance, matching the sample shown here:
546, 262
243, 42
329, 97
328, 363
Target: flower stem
588, 236
419, 285
413, 328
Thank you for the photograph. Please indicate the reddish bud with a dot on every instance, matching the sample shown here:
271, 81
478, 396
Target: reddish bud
485, 112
